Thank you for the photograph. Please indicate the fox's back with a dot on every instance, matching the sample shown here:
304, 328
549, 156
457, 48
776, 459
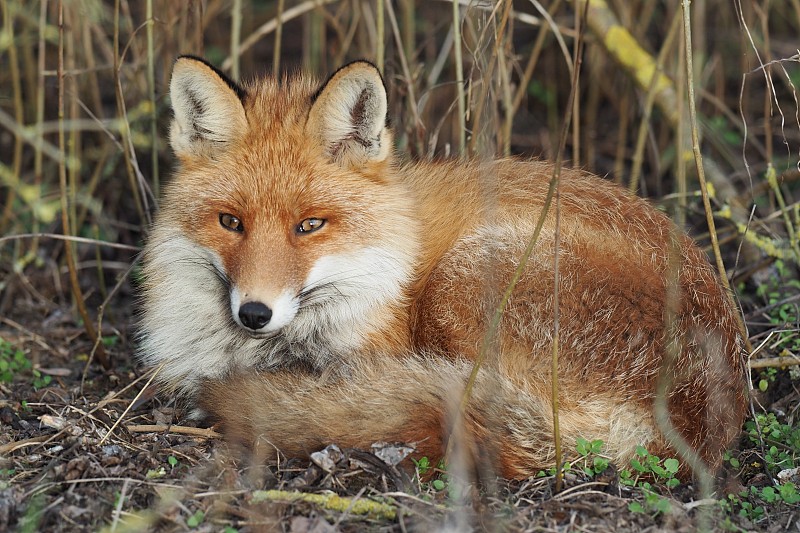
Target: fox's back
638, 302
614, 250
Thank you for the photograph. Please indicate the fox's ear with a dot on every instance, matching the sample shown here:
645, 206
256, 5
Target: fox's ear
208, 109
348, 116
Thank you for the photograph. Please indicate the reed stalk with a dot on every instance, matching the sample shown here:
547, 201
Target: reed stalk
19, 114
151, 94
276, 55
77, 294
460, 94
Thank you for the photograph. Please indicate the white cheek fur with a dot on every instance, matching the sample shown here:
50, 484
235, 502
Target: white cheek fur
356, 286
186, 322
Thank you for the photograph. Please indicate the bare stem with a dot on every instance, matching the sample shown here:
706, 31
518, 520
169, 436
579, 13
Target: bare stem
701, 175
462, 105
151, 94
276, 55
62, 180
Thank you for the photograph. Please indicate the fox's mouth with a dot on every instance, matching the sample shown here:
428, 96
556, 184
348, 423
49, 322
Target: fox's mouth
260, 335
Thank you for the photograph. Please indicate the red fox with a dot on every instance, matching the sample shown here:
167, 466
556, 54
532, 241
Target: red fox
302, 286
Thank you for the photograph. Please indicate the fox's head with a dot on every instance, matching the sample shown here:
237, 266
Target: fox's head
287, 197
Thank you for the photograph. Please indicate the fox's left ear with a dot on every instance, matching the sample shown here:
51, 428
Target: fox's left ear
348, 116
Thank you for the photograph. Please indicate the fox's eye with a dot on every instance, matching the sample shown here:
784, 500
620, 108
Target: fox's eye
231, 222
309, 225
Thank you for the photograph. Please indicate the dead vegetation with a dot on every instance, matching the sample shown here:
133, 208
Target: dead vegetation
83, 111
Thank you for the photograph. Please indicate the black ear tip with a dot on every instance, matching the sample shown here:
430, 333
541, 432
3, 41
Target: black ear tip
345, 67
194, 58
235, 87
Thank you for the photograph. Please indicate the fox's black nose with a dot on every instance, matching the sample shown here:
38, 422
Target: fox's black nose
254, 315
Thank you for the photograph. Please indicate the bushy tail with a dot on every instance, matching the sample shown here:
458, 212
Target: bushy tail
508, 422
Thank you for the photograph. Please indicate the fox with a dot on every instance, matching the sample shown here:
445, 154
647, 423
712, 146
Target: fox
303, 284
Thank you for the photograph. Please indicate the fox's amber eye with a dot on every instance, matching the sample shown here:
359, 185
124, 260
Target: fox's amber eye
309, 225
231, 222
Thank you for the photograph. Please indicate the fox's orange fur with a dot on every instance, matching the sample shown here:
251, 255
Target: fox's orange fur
348, 296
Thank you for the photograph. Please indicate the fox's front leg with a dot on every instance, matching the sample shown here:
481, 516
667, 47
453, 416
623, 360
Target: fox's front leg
298, 412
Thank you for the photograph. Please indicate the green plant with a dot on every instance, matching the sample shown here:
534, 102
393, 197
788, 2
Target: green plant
785, 315
745, 508
644, 469
592, 463
781, 440
5, 474
423, 465
13, 362
40, 380
647, 466
110, 340
652, 504
30, 520
749, 502
768, 376
731, 460
196, 519
785, 492
154, 473
722, 128
589, 461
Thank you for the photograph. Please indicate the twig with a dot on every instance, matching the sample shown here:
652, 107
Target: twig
118, 506
331, 502
133, 402
494, 324
151, 94
641, 137
125, 131
8, 27
276, 56
380, 51
775, 362
556, 179
487, 85
38, 339
236, 35
11, 446
462, 106
208, 433
272, 25
38, 143
404, 64
701, 175
72, 238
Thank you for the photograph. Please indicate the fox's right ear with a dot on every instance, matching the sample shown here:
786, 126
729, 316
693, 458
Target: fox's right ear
208, 109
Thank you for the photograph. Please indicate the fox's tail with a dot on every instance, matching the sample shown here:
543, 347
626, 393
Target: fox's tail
508, 421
